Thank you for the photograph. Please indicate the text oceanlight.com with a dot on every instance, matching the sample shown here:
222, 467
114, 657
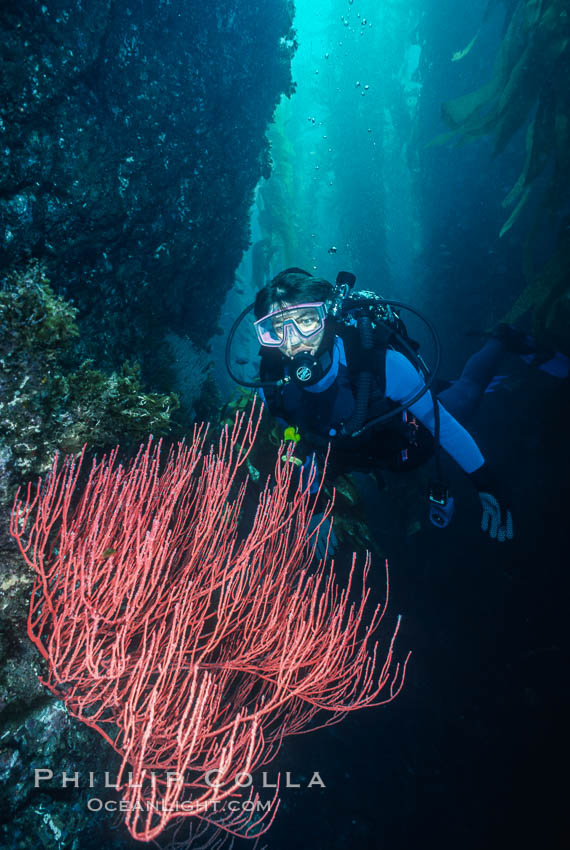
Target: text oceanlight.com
95, 804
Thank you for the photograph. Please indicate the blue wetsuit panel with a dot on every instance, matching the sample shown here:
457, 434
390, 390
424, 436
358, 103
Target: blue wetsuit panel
403, 381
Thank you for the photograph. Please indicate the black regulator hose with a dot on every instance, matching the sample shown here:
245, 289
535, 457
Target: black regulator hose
253, 384
364, 302
428, 374
364, 387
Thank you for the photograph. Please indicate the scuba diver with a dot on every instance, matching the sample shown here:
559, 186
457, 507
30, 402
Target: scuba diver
341, 368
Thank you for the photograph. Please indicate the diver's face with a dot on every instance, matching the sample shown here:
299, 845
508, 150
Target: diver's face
301, 327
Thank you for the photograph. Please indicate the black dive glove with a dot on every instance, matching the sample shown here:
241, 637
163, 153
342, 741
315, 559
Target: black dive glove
496, 518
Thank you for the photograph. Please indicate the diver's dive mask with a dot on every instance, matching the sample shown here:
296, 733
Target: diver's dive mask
305, 321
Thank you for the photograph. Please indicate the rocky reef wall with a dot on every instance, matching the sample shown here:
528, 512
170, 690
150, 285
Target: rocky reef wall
132, 135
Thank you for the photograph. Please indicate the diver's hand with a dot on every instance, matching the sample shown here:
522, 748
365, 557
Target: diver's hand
322, 533
496, 519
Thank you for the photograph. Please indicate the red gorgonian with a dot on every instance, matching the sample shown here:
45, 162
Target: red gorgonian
194, 647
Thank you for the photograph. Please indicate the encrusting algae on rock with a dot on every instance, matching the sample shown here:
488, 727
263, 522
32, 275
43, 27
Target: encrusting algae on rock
47, 401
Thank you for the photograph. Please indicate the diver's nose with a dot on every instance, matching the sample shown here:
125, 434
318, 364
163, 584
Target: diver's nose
292, 338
